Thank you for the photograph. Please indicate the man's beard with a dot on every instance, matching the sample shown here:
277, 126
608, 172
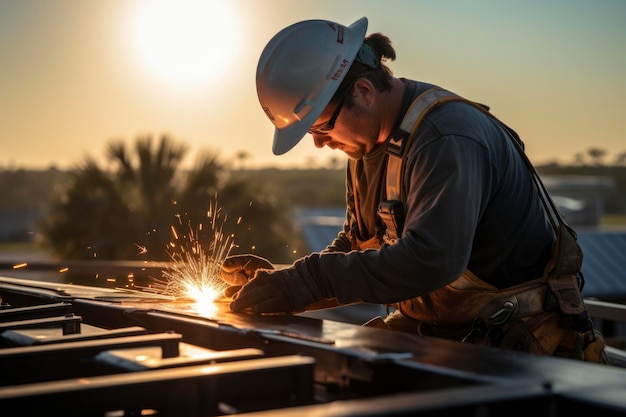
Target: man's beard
354, 155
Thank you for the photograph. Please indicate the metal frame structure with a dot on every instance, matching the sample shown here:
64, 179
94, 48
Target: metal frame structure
135, 354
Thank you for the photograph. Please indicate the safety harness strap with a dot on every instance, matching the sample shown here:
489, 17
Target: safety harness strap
399, 141
563, 270
391, 211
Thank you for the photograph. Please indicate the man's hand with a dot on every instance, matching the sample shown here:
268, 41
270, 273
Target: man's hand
239, 269
278, 291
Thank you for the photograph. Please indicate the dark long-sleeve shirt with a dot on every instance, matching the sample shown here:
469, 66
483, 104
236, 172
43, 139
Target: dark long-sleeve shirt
470, 204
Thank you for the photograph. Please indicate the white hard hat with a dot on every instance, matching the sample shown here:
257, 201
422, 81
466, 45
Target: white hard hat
300, 70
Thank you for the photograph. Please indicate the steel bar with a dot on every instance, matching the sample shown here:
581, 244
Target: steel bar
40, 337
35, 312
69, 323
189, 391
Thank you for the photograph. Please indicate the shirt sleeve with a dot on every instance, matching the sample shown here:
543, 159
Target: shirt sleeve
447, 179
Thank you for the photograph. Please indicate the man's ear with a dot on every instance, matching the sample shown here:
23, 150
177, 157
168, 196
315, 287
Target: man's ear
364, 91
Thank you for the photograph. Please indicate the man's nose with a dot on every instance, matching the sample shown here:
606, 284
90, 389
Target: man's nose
320, 140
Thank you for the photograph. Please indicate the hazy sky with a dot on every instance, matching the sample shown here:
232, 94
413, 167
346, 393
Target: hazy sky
76, 74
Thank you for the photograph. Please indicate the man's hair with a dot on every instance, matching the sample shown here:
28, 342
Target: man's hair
380, 76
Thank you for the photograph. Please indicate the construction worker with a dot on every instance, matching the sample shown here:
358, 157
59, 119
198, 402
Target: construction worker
464, 249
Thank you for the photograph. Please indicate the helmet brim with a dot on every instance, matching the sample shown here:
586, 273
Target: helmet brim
286, 138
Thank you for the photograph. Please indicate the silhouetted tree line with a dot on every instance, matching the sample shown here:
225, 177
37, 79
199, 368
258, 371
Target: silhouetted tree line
129, 204
140, 204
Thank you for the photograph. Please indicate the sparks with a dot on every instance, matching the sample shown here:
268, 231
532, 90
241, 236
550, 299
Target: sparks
142, 249
196, 262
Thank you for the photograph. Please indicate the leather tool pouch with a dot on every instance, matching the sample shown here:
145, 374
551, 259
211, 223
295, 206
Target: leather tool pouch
562, 274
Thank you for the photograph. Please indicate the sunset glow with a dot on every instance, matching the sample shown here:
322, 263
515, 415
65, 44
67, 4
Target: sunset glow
185, 42
76, 74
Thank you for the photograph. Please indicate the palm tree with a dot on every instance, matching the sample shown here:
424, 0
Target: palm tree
597, 155
91, 218
125, 210
242, 156
108, 213
134, 206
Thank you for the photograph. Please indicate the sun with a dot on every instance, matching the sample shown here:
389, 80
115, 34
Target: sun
185, 42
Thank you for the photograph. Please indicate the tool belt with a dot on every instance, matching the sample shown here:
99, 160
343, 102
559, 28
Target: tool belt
469, 297
544, 316
526, 318
515, 318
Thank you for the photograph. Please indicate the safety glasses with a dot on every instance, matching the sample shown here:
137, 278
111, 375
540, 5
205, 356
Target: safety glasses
326, 128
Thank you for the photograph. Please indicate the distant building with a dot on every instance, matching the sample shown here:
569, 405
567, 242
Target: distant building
18, 225
580, 199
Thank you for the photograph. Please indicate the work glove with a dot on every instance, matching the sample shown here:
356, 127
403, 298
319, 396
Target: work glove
237, 270
287, 290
